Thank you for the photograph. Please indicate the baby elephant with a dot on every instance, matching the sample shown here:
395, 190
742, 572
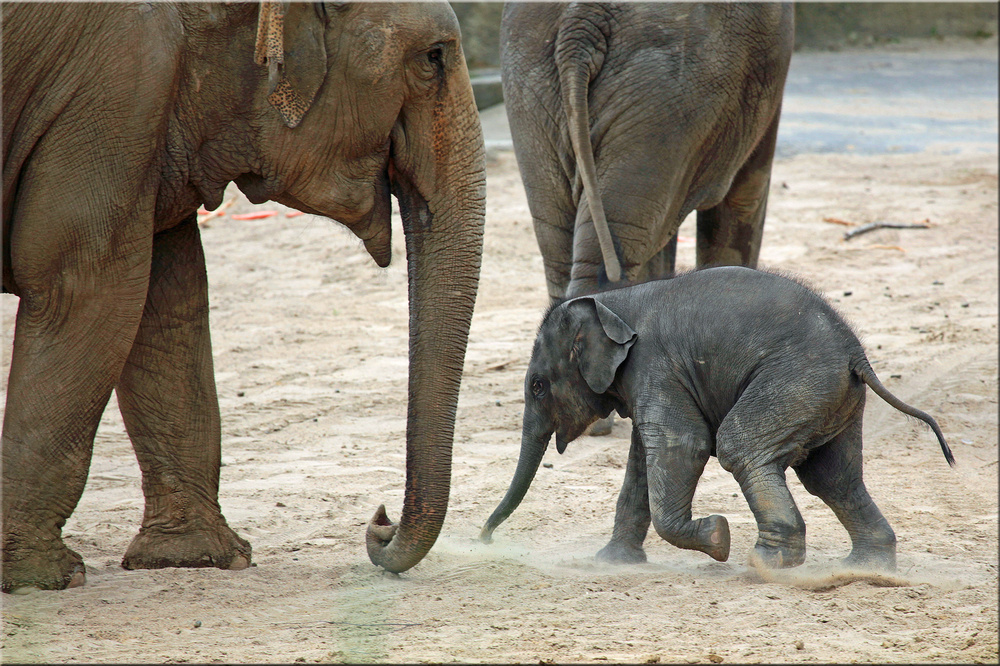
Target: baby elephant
745, 365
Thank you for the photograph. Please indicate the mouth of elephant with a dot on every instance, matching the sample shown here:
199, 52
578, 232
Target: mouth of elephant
413, 205
564, 437
373, 226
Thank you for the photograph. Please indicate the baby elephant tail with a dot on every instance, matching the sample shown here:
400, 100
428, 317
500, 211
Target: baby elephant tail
864, 370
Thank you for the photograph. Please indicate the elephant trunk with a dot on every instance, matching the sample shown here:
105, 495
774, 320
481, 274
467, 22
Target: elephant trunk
443, 215
443, 265
533, 447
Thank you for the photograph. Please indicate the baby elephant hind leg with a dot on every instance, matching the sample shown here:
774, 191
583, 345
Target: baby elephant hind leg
755, 442
675, 459
833, 473
781, 537
632, 512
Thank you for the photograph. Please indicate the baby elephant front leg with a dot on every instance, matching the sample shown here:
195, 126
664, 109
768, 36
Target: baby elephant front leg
674, 463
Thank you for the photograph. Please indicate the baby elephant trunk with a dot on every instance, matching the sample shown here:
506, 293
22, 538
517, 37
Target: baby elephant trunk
533, 448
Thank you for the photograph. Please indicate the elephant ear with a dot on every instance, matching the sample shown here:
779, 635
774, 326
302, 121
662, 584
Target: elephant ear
602, 345
299, 30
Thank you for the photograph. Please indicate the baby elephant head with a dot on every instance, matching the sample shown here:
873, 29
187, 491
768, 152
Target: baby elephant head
580, 346
577, 353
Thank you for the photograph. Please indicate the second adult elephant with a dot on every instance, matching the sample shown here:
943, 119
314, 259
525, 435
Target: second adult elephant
626, 117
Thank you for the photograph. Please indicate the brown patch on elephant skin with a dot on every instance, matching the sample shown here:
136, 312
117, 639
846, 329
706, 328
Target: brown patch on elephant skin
289, 103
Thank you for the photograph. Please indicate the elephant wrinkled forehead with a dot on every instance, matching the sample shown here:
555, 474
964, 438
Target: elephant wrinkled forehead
383, 34
437, 15
432, 21
554, 334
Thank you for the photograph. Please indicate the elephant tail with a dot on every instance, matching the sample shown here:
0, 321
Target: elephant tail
581, 45
863, 369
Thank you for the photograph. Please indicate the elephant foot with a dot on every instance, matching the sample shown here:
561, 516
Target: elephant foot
709, 535
56, 569
765, 556
218, 547
619, 552
714, 534
602, 427
882, 560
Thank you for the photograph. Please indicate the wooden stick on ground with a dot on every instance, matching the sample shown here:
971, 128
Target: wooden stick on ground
202, 219
837, 220
884, 225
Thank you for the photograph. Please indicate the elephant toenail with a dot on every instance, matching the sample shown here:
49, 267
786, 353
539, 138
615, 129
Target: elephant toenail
239, 562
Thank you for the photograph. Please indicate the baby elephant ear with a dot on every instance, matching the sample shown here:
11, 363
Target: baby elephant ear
605, 346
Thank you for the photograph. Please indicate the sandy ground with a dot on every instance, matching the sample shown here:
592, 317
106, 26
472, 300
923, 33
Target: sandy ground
310, 344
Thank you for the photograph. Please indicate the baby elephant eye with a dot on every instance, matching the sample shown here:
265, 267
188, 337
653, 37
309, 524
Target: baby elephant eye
539, 387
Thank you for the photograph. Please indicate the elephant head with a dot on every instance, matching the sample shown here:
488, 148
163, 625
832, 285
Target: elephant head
355, 102
581, 346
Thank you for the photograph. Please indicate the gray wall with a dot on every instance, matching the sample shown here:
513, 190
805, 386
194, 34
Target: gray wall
824, 25
480, 23
819, 25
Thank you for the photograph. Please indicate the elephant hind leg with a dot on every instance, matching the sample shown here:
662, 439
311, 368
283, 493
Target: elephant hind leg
170, 408
833, 473
764, 433
660, 265
781, 537
730, 233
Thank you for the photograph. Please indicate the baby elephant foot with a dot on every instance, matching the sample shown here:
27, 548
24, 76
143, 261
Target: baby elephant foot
713, 532
771, 556
619, 552
709, 535
882, 559
216, 546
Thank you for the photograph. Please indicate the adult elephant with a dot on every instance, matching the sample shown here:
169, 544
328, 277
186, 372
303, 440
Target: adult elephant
626, 117
119, 121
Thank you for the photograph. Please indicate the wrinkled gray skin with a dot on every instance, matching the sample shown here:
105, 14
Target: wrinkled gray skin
119, 121
639, 114
747, 366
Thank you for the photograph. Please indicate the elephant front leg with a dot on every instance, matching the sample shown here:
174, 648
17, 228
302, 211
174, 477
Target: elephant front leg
632, 512
75, 322
675, 459
170, 408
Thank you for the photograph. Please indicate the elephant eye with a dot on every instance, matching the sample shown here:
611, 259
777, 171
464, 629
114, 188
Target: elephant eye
431, 62
539, 387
